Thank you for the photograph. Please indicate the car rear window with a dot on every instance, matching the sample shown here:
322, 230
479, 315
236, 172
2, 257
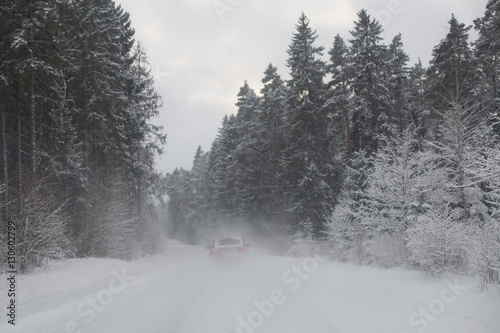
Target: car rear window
228, 241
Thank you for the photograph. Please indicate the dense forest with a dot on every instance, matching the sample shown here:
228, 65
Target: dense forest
358, 155
361, 156
77, 146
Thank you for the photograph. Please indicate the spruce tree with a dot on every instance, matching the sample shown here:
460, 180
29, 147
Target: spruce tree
247, 167
101, 49
339, 95
308, 159
141, 138
7, 25
372, 101
418, 108
397, 72
453, 71
487, 49
219, 162
273, 107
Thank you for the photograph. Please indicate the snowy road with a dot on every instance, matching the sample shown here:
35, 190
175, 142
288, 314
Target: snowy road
181, 292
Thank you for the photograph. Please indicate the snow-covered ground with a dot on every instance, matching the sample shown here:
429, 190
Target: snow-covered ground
180, 291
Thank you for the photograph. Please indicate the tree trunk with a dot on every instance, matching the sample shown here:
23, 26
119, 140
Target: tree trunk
458, 123
19, 152
5, 170
32, 127
494, 77
139, 185
275, 154
349, 143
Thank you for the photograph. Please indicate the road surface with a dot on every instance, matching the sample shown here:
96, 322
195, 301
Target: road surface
181, 291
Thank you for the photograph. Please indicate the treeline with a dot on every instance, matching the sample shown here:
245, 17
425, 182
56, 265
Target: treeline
77, 146
362, 156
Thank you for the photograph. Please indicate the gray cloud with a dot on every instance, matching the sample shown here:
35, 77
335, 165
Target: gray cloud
203, 59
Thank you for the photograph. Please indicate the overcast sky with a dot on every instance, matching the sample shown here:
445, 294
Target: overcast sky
201, 51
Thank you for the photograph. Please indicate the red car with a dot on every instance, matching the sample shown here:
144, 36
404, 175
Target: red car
228, 248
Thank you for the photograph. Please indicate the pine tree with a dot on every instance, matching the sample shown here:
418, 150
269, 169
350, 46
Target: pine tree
104, 88
179, 206
189, 200
453, 75
398, 83
273, 107
487, 50
37, 149
418, 107
308, 159
247, 169
79, 103
220, 159
339, 94
35, 77
453, 69
102, 55
372, 102
199, 180
142, 139
7, 25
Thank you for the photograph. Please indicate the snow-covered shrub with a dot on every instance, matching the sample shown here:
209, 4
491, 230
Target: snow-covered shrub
347, 237
303, 244
483, 252
110, 229
437, 242
339, 242
395, 184
41, 233
153, 235
388, 250
394, 197
119, 236
118, 225
303, 248
347, 231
